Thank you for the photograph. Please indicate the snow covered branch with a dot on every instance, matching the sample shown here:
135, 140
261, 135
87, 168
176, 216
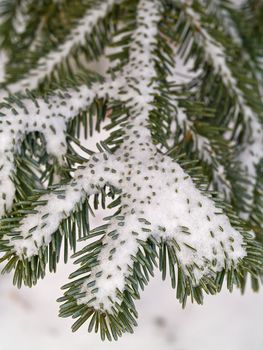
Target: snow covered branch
204, 240
204, 147
251, 150
77, 37
49, 116
164, 206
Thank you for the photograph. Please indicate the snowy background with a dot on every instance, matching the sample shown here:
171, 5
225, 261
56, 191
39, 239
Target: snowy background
29, 321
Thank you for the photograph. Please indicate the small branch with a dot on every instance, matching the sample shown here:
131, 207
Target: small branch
46, 65
253, 139
48, 116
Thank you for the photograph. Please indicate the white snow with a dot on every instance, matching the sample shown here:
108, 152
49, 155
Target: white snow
29, 320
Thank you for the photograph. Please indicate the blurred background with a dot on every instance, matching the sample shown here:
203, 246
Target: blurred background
29, 321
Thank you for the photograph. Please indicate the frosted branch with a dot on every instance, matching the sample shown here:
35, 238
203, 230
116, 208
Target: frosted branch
77, 37
158, 198
251, 151
205, 149
50, 117
36, 229
201, 234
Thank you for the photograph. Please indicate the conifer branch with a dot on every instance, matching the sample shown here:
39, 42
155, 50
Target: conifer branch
215, 55
49, 116
77, 37
164, 213
206, 149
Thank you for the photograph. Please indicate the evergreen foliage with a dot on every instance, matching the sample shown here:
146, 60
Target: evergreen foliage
181, 168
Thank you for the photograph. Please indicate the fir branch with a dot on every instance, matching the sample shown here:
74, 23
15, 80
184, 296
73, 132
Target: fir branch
198, 236
49, 116
206, 149
77, 37
164, 209
215, 55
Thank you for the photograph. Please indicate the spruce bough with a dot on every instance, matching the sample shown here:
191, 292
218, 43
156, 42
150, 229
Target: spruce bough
181, 167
